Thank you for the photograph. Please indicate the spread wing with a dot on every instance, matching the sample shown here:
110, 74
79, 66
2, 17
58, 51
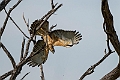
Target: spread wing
65, 38
42, 30
41, 56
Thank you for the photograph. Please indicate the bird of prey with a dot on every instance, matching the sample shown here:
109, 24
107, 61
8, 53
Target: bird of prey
58, 37
39, 54
50, 39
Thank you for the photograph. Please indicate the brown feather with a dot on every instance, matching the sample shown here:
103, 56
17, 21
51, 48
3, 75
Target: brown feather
42, 31
41, 55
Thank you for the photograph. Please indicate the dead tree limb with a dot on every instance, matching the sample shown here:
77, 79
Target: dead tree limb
3, 4
6, 75
110, 31
16, 24
91, 69
24, 58
42, 73
112, 36
108, 19
52, 4
22, 49
48, 15
27, 46
24, 76
113, 75
27, 23
7, 17
9, 55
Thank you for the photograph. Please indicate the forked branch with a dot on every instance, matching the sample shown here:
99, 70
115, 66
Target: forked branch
7, 17
16, 24
112, 35
3, 4
46, 16
91, 69
24, 58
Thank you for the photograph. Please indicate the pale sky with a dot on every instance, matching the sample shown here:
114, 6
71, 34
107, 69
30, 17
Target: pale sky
67, 63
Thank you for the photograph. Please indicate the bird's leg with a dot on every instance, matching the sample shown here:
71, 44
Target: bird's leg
51, 47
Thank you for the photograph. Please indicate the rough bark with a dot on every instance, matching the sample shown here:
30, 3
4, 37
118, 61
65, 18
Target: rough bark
110, 31
113, 75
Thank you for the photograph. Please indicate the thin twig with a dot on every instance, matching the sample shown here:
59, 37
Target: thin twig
22, 49
25, 59
108, 35
27, 46
9, 55
48, 15
27, 24
16, 25
52, 4
91, 69
6, 20
42, 73
24, 76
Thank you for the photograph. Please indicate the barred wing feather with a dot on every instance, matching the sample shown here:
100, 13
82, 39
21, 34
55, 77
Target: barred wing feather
66, 38
42, 31
40, 57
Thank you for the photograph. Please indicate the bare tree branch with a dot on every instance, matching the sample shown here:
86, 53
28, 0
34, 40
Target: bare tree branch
22, 49
23, 58
108, 19
6, 75
5, 22
112, 35
20, 65
3, 4
42, 73
9, 55
52, 4
24, 76
27, 46
91, 69
16, 25
27, 23
113, 75
18, 69
48, 15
